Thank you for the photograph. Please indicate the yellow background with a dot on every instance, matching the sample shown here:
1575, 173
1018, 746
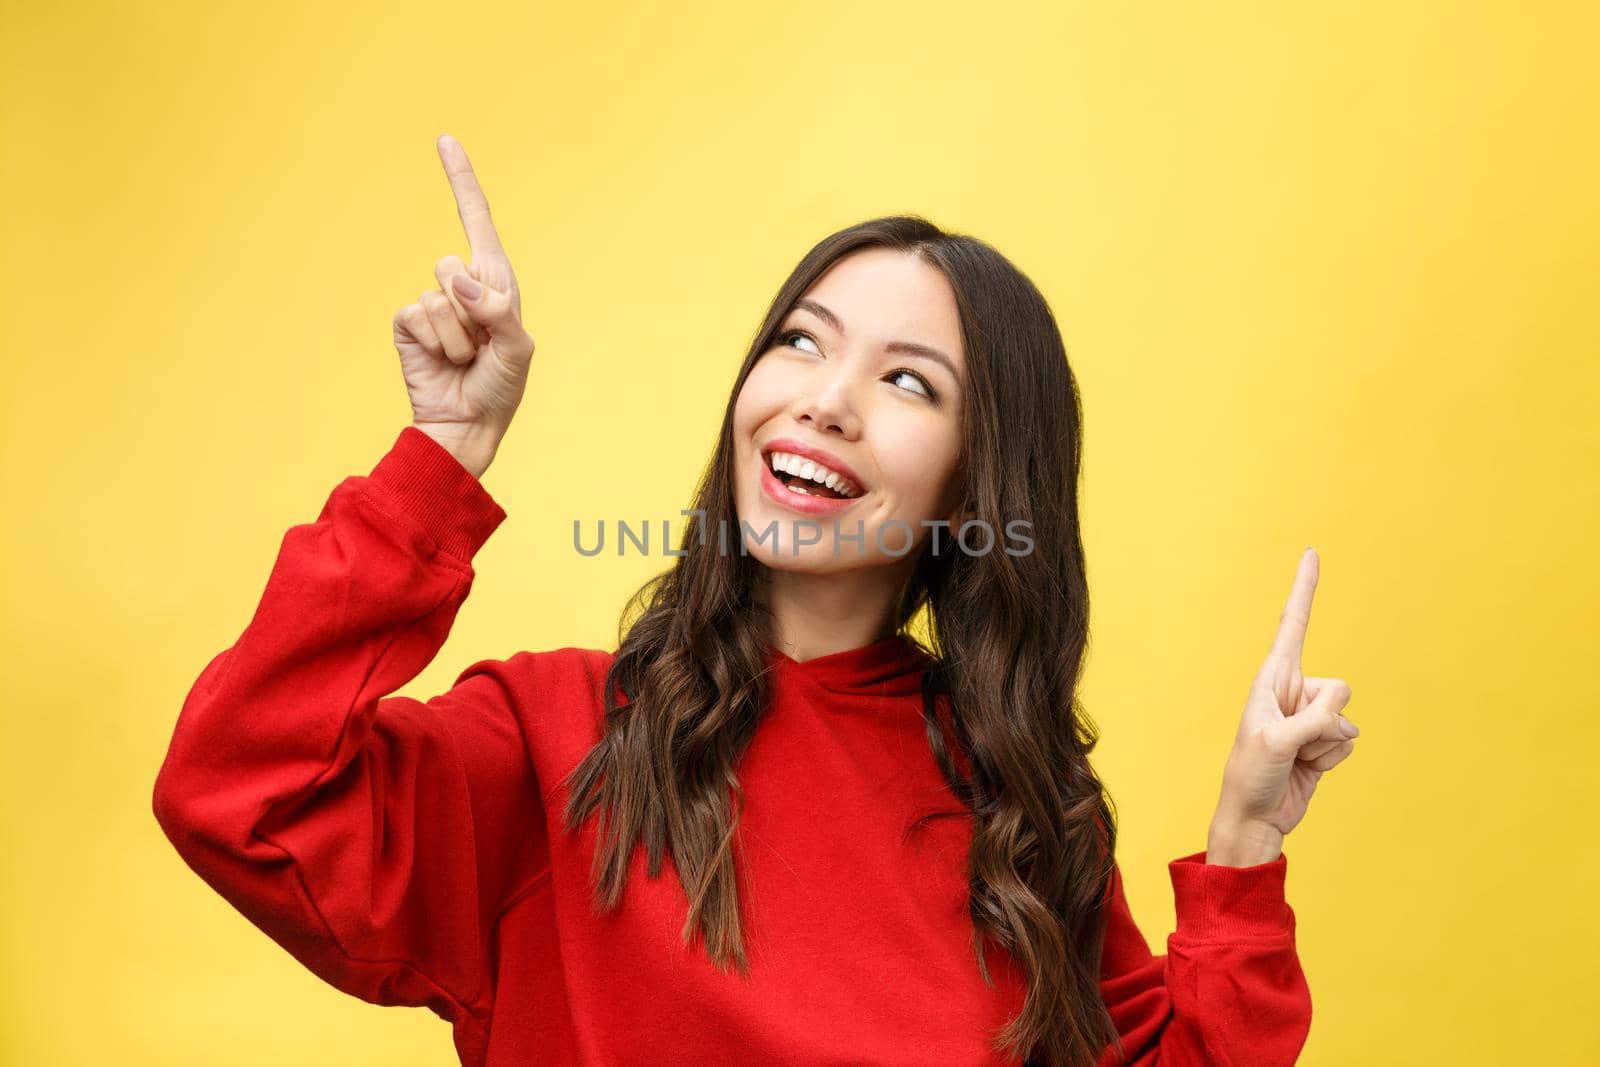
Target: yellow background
1326, 276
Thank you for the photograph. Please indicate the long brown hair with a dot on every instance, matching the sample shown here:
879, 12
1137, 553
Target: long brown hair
1007, 636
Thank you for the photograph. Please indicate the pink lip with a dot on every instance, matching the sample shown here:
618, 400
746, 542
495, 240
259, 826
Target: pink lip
816, 455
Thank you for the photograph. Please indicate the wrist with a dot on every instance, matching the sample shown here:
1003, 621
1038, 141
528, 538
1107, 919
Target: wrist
1236, 843
473, 447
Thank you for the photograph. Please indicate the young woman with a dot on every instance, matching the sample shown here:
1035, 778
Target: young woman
772, 827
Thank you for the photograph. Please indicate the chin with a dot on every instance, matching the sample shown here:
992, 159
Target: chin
813, 559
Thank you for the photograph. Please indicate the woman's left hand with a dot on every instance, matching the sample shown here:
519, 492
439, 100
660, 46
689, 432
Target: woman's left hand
1292, 732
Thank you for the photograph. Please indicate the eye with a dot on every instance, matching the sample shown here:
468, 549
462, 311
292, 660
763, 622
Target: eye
925, 389
784, 338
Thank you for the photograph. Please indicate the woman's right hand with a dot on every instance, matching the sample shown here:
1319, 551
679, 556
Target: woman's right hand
465, 359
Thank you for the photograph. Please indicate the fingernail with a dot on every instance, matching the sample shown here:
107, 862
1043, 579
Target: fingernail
467, 288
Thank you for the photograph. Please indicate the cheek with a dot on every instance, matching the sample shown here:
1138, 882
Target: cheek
918, 459
756, 400
753, 408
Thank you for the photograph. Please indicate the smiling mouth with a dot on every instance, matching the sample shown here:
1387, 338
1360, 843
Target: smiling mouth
801, 485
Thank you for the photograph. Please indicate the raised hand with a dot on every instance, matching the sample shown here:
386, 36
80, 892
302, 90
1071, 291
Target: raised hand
463, 350
1291, 733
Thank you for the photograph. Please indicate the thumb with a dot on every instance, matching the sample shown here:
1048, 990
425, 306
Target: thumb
488, 307
1320, 720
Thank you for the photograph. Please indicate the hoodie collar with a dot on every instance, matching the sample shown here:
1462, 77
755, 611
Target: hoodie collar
892, 666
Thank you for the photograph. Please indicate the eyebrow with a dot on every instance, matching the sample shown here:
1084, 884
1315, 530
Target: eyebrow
910, 348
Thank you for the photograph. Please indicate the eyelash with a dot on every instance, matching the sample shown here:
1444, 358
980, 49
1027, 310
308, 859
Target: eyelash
933, 394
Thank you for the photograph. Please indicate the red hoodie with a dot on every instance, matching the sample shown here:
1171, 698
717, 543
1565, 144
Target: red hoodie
412, 853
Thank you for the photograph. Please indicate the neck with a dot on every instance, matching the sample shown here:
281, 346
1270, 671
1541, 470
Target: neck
820, 614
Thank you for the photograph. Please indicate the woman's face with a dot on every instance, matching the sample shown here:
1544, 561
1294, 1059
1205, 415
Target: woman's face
836, 384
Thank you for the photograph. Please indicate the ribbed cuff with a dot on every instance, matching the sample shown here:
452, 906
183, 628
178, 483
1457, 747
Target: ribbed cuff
1218, 903
420, 477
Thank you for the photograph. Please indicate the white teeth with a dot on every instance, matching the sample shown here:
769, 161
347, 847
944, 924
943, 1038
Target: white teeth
789, 463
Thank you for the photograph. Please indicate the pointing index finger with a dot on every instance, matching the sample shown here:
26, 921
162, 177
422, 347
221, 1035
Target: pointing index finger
1291, 637
471, 204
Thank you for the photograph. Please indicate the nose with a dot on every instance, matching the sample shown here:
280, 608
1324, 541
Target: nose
828, 406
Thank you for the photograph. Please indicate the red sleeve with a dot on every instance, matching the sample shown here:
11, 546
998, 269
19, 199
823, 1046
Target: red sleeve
375, 838
1230, 991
